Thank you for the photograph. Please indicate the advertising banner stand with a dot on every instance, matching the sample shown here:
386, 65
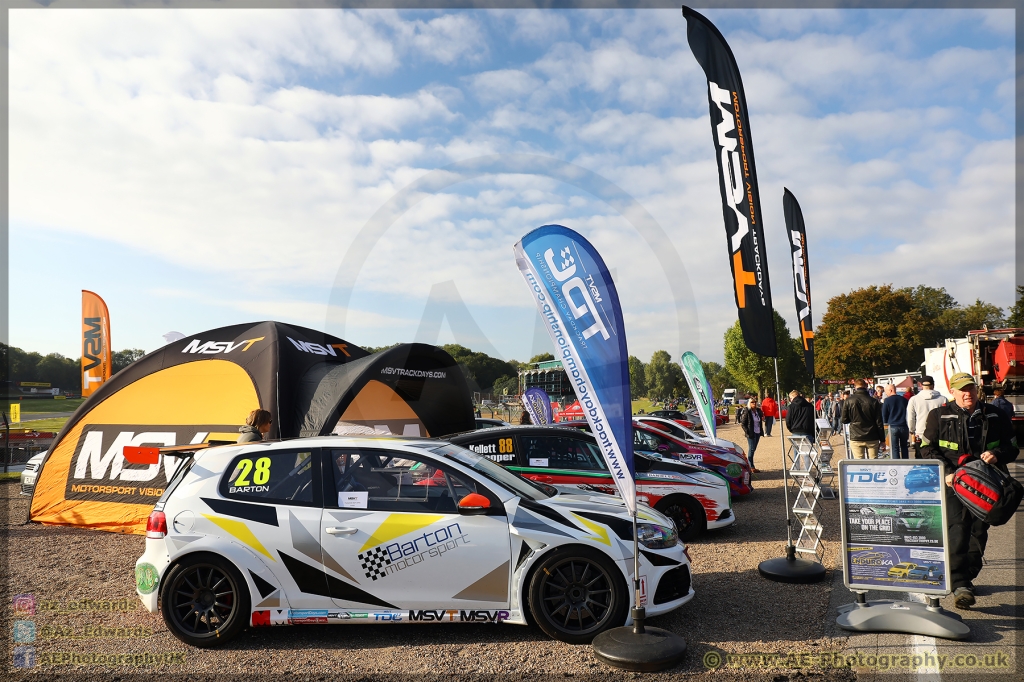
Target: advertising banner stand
577, 298
894, 538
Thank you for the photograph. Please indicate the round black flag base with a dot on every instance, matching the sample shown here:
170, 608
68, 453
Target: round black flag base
639, 648
789, 569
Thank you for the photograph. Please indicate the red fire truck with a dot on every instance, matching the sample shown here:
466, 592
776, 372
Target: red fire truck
996, 359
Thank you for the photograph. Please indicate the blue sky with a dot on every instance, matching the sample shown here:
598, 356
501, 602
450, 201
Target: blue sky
209, 167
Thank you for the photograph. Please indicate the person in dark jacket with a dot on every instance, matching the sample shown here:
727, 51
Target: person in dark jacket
864, 415
752, 421
800, 416
1002, 403
958, 432
257, 425
894, 414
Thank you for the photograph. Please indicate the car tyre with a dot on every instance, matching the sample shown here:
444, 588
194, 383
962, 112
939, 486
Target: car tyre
687, 513
205, 600
576, 593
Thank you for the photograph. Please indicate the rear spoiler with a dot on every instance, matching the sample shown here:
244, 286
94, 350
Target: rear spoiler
151, 455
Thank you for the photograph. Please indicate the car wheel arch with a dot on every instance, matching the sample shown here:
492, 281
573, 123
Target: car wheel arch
683, 498
534, 563
242, 568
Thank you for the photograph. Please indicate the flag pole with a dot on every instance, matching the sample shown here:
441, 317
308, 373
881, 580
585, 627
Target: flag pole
639, 612
785, 465
788, 569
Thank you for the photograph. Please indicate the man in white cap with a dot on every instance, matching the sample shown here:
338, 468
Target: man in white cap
918, 408
958, 432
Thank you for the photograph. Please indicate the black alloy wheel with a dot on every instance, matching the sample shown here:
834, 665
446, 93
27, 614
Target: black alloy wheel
205, 602
577, 593
687, 513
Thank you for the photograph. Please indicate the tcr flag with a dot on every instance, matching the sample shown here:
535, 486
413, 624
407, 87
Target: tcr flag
801, 274
538, 405
580, 307
737, 178
701, 390
96, 361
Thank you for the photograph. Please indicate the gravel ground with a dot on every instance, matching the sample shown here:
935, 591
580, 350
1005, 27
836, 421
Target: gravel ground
735, 611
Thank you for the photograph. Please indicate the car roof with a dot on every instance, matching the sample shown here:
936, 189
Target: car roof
522, 430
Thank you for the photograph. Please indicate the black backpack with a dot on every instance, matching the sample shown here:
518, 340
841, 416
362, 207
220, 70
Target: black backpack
990, 494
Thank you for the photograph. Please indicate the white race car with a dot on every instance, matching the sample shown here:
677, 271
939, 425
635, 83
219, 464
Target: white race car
680, 431
393, 530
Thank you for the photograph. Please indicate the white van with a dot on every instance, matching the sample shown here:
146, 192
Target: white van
729, 396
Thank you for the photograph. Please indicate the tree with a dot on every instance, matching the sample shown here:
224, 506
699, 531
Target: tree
481, 368
543, 357
1015, 317
718, 377
637, 378
957, 322
122, 358
662, 376
376, 349
870, 331
510, 383
938, 309
757, 372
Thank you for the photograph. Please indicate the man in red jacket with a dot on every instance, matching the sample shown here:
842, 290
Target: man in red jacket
771, 412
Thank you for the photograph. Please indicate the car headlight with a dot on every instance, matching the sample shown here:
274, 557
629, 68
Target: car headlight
733, 470
653, 536
710, 478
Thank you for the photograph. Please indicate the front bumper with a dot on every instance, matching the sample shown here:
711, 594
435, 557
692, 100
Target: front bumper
28, 482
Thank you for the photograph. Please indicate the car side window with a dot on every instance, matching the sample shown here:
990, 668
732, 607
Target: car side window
396, 481
500, 449
561, 453
282, 477
644, 440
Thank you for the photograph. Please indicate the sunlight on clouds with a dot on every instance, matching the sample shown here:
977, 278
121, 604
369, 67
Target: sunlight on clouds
258, 143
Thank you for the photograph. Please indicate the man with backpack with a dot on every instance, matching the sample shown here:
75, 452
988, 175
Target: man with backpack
958, 432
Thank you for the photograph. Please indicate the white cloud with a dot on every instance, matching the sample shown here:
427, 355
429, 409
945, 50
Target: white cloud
256, 145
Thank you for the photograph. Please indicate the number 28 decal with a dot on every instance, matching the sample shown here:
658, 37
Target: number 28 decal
260, 475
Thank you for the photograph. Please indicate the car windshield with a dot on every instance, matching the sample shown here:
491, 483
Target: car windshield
500, 475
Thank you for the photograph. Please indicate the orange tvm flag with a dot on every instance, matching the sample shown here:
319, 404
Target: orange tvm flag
96, 361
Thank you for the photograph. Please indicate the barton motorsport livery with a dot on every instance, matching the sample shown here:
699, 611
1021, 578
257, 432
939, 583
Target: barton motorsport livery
694, 498
393, 530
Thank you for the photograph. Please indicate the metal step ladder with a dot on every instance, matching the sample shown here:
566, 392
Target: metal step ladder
812, 475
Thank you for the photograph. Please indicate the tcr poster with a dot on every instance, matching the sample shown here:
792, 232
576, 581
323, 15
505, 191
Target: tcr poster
894, 525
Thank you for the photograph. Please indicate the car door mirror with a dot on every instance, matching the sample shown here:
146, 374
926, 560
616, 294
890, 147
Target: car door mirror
474, 504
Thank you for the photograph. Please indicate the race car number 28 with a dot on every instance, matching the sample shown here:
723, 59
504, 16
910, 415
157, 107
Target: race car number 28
260, 474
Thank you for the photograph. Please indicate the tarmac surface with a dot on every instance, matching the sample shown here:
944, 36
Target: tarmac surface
993, 650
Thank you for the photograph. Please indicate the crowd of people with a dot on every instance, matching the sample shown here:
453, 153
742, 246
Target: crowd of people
956, 431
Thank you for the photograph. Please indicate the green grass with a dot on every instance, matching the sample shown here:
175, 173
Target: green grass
10, 476
642, 404
42, 424
36, 405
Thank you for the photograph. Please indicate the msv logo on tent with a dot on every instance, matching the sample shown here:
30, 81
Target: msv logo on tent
215, 347
100, 472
